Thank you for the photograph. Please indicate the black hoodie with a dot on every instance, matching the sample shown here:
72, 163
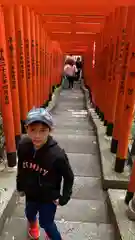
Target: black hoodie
40, 172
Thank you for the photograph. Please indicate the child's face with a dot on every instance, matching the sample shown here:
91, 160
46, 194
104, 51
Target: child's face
38, 133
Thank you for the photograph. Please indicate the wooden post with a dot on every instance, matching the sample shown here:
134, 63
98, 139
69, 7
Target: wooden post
7, 110
28, 55
33, 53
21, 66
13, 71
120, 76
38, 59
128, 92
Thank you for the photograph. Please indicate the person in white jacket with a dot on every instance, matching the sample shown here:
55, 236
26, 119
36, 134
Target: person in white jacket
70, 72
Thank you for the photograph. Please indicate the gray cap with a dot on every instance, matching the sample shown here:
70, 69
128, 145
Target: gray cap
39, 115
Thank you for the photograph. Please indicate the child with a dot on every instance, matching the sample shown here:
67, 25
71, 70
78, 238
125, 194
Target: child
41, 166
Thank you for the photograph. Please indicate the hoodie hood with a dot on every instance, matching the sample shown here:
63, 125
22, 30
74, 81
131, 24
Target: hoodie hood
49, 143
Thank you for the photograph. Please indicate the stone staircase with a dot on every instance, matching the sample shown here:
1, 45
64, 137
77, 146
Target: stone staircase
86, 216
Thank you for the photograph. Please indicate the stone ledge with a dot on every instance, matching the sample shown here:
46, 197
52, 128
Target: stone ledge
16, 229
125, 228
110, 178
53, 103
8, 196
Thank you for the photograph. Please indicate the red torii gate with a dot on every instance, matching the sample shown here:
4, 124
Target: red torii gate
76, 26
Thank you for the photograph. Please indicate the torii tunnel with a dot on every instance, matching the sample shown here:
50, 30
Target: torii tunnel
36, 35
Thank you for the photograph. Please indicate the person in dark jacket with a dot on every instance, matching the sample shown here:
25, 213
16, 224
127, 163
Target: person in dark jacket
79, 68
42, 165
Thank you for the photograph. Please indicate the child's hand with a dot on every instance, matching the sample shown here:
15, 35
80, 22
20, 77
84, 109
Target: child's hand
18, 196
56, 202
21, 194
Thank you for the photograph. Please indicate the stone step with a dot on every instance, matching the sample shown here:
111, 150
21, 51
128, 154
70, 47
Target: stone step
66, 96
82, 112
69, 94
65, 118
69, 112
73, 125
85, 165
69, 116
125, 228
88, 188
16, 229
70, 108
76, 134
70, 102
71, 99
78, 144
65, 131
80, 138
76, 210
